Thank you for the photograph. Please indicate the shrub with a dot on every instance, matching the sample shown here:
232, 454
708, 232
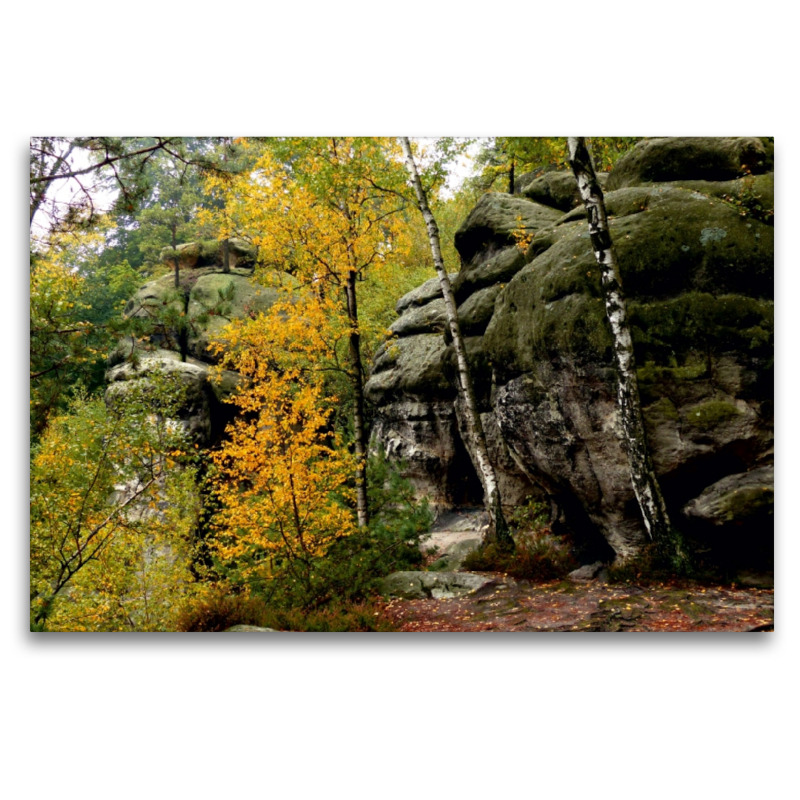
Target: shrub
219, 610
538, 556
349, 567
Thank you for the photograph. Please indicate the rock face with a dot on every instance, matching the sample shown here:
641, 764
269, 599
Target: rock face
210, 298
691, 221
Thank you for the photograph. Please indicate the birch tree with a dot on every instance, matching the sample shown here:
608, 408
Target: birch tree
498, 532
643, 477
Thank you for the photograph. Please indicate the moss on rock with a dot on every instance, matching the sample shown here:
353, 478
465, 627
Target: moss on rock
491, 225
708, 158
708, 415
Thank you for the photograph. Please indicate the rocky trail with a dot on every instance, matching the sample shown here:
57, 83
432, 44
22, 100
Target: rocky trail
449, 599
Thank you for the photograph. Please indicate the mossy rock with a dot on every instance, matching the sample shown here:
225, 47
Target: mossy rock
429, 318
412, 366
498, 268
738, 498
690, 265
215, 299
710, 414
669, 240
667, 334
474, 314
423, 294
209, 253
705, 158
492, 224
752, 196
557, 190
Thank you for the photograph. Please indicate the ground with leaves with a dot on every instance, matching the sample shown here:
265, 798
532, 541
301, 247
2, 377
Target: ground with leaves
506, 604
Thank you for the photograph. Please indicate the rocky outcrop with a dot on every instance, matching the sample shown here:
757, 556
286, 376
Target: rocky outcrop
438, 585
208, 298
691, 220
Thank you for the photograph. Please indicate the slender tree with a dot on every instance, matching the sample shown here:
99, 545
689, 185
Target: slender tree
643, 477
314, 210
498, 529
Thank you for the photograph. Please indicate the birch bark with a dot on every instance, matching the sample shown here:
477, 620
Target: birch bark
643, 477
498, 532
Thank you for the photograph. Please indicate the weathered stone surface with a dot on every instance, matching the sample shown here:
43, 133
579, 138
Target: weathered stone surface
438, 585
410, 367
249, 629
452, 559
214, 300
681, 248
430, 290
490, 226
203, 413
499, 268
206, 286
754, 194
696, 258
209, 253
476, 311
736, 498
429, 318
423, 438
553, 189
473, 315
706, 158
588, 572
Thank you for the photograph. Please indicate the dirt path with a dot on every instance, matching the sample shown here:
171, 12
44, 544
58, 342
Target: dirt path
515, 605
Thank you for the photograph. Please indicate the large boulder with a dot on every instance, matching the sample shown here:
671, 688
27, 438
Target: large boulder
210, 253
706, 158
207, 298
691, 221
437, 585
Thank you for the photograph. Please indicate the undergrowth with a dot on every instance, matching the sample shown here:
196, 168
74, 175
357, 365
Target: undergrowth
334, 591
537, 555
220, 610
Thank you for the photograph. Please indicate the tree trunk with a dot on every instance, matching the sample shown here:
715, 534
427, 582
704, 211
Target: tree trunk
226, 257
498, 532
643, 477
174, 229
357, 378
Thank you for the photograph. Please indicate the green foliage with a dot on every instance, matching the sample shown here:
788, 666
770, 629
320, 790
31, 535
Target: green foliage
113, 506
531, 516
70, 324
529, 153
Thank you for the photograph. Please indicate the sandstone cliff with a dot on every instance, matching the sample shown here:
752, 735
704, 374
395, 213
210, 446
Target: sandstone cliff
692, 222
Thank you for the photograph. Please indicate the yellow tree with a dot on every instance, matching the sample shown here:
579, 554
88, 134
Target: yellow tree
112, 511
319, 208
282, 474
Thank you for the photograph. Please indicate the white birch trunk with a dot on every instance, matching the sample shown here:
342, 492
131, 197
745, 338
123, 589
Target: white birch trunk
498, 529
643, 477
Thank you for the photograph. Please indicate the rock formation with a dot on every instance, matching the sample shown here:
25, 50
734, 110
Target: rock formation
692, 223
212, 298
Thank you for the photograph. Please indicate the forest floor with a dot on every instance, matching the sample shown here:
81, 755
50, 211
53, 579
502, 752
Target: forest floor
507, 604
